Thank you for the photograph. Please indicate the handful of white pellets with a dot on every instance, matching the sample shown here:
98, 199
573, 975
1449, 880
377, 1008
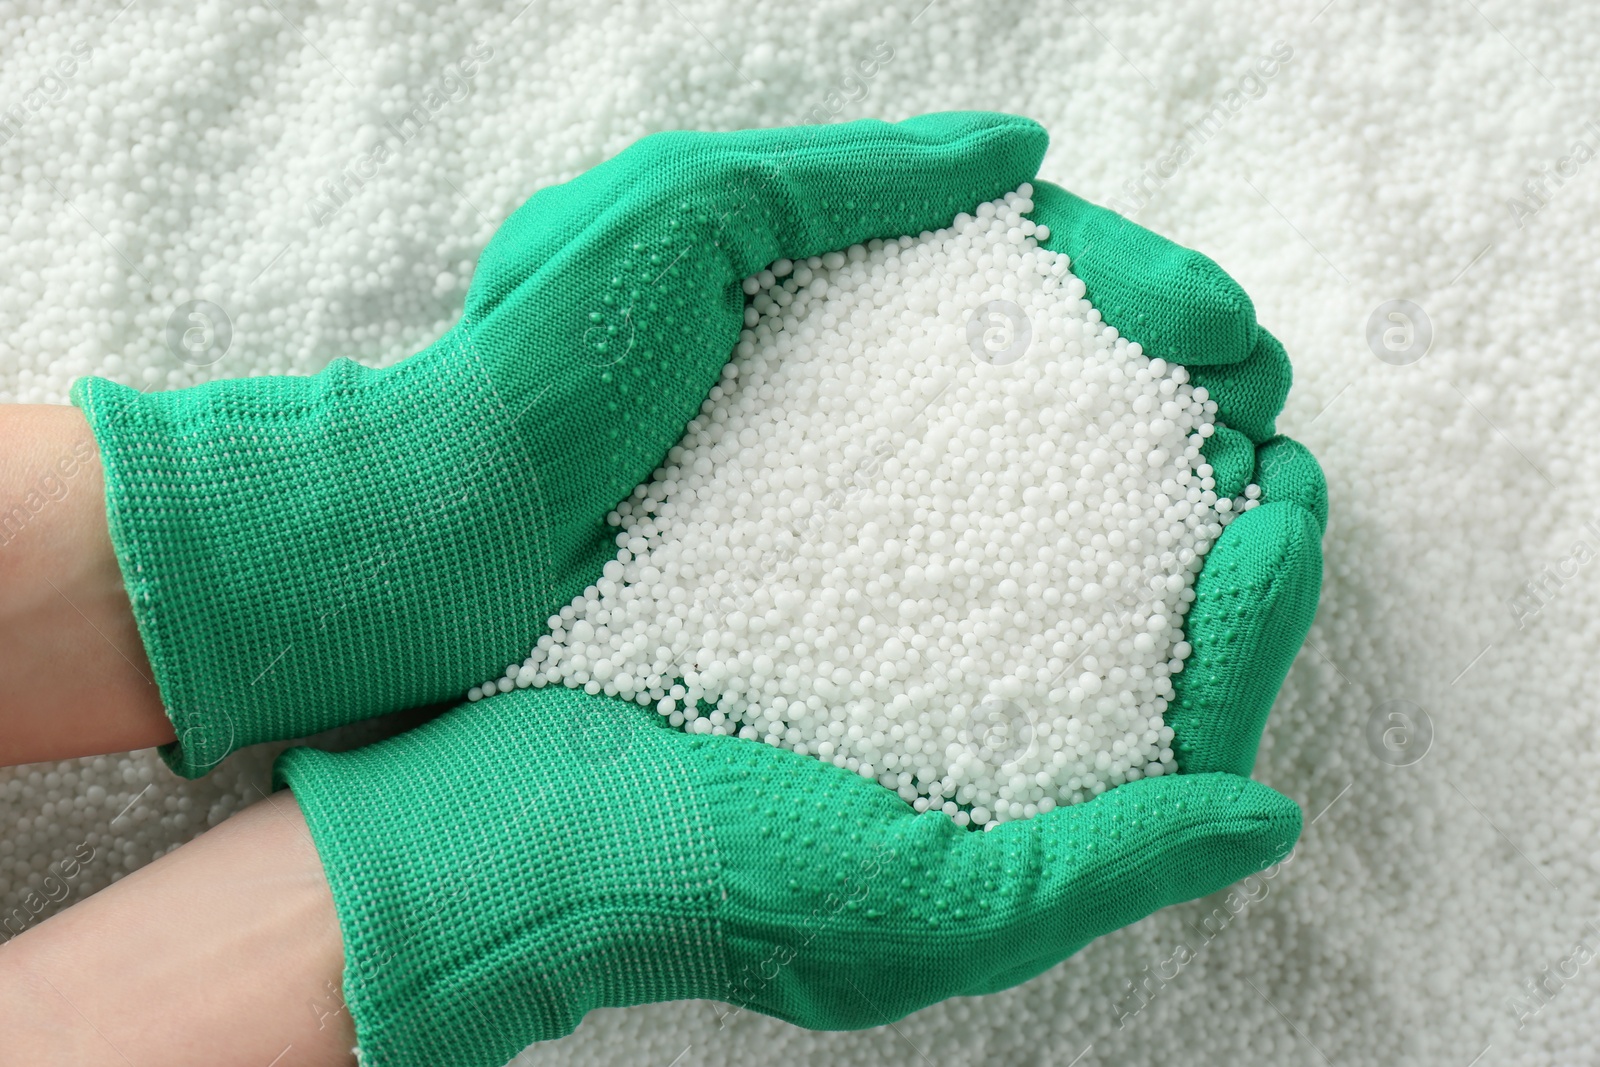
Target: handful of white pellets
938, 524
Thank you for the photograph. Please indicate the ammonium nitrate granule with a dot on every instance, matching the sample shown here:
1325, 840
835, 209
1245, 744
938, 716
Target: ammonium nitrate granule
938, 524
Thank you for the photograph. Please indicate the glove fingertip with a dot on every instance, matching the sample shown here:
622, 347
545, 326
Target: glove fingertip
1177, 303
981, 133
1287, 471
1251, 392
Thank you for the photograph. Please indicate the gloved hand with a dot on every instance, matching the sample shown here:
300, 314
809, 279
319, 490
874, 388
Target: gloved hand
504, 869
305, 552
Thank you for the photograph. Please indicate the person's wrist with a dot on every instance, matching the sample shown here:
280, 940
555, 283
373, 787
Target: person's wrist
226, 949
62, 600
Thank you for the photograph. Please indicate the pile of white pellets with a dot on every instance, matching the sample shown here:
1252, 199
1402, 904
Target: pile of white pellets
937, 524
1332, 157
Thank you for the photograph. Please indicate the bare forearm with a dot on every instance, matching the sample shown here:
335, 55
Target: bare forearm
224, 952
73, 676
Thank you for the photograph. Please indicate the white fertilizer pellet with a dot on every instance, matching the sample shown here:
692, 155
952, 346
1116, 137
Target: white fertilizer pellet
955, 563
1332, 157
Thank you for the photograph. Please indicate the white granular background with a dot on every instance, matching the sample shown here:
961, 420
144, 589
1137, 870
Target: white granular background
1386, 158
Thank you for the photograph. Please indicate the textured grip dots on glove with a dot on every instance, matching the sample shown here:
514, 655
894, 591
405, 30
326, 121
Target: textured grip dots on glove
1254, 601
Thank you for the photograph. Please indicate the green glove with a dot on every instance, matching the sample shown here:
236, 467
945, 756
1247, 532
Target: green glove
305, 552
515, 863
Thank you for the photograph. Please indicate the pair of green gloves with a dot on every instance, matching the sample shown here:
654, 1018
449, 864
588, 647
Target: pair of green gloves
305, 552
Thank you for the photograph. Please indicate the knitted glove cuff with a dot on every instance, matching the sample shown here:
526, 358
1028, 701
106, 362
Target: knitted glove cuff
299, 551
502, 870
